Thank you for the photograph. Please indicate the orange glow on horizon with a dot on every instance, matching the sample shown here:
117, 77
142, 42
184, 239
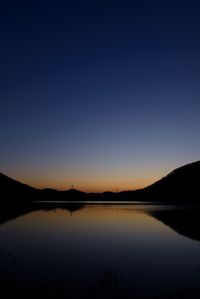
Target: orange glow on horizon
98, 186
91, 180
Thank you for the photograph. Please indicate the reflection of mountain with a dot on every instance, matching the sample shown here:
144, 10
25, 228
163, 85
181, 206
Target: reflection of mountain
11, 212
181, 185
185, 221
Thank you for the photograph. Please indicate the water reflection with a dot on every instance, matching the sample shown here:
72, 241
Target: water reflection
97, 251
185, 221
8, 212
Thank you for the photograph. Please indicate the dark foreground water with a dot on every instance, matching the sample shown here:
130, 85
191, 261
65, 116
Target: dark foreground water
99, 251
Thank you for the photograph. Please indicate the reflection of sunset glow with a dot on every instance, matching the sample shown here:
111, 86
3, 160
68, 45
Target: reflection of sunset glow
79, 248
95, 216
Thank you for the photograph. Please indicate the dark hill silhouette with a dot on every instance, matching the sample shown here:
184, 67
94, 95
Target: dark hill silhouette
179, 186
14, 190
9, 185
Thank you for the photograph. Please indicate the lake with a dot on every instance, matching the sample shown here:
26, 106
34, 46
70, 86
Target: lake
100, 250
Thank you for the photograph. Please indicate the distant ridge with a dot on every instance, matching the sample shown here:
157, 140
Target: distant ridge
182, 185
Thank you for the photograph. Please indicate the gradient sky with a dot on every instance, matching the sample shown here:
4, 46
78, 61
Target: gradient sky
98, 94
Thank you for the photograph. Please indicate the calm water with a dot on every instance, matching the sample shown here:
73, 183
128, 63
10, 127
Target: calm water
97, 251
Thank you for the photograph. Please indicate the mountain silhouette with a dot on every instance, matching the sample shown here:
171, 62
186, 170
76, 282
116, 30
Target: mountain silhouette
13, 189
179, 186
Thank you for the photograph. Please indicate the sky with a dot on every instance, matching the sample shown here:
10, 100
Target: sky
101, 95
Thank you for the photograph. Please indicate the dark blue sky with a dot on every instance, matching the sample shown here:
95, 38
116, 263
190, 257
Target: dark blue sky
99, 94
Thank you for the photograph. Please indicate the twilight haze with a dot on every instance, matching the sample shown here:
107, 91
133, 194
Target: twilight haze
98, 94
